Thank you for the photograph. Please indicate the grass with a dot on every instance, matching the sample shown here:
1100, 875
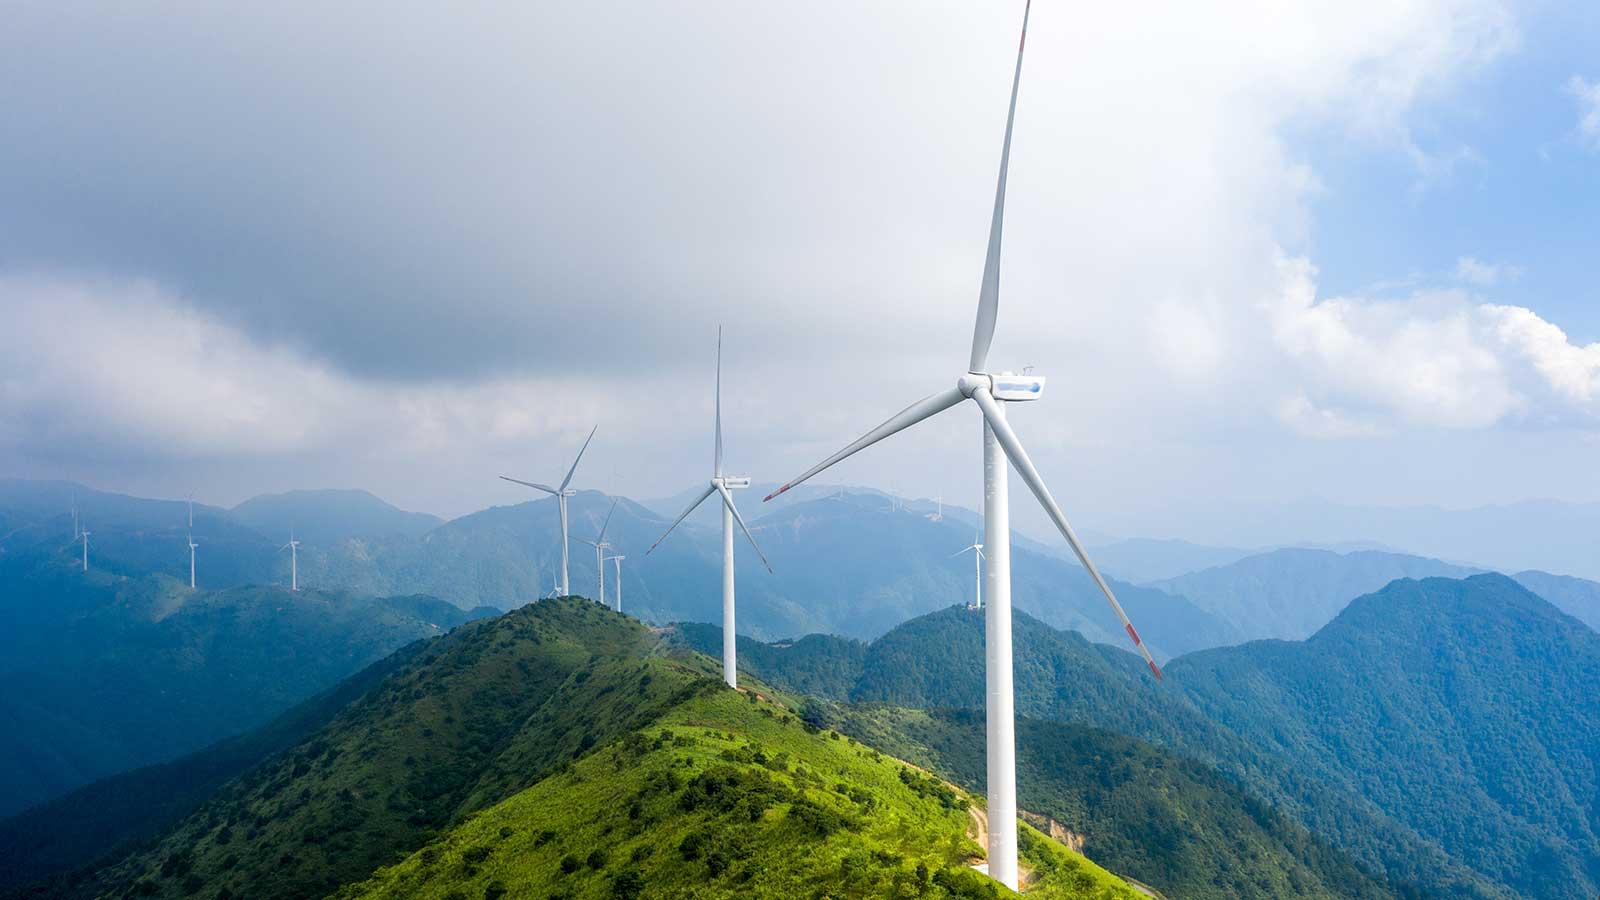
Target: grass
727, 795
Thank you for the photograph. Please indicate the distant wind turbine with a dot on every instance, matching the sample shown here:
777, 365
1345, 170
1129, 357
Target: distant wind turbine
991, 393
561, 494
84, 535
617, 561
192, 544
939, 515
722, 484
74, 515
600, 547
294, 561
977, 565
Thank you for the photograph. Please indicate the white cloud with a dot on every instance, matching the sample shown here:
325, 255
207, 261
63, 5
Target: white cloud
1483, 274
1435, 359
1587, 94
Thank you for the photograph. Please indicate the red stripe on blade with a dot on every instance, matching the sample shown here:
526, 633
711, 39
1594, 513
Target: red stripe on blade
1156, 669
1134, 634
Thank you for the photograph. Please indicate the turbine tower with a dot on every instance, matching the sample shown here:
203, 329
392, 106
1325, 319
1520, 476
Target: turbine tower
192, 544
600, 547
977, 567
617, 561
84, 535
74, 515
561, 494
294, 561
722, 484
992, 392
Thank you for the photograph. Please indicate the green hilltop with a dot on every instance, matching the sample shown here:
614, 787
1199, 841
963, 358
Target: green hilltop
492, 759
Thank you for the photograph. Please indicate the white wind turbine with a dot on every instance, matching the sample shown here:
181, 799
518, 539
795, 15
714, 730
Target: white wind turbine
617, 561
991, 393
561, 494
722, 484
84, 535
192, 545
977, 570
600, 547
294, 561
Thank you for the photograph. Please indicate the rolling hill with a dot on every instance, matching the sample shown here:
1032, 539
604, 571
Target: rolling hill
508, 751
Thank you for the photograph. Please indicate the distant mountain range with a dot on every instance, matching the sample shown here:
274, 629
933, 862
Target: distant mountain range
100, 673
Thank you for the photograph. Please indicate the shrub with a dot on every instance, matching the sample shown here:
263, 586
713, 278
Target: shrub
569, 864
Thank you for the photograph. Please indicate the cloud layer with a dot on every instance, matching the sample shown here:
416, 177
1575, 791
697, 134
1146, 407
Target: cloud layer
275, 233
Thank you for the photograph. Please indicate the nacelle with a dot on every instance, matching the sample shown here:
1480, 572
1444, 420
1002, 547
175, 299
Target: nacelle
1016, 388
734, 482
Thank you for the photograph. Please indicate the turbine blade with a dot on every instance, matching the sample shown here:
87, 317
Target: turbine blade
710, 489
607, 523
989, 292
728, 499
543, 487
905, 418
717, 460
1024, 466
568, 480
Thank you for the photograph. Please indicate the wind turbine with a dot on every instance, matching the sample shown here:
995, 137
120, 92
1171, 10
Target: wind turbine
561, 494
74, 515
84, 535
937, 516
600, 547
617, 560
294, 561
977, 566
192, 544
722, 484
991, 393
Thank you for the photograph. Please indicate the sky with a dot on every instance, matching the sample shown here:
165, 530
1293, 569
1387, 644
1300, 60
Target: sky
1261, 251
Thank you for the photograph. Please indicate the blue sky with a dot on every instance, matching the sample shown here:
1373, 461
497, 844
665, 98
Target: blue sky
1525, 194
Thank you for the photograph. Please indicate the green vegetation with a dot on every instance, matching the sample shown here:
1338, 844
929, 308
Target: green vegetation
1440, 733
478, 715
94, 820
1173, 823
103, 673
817, 665
726, 797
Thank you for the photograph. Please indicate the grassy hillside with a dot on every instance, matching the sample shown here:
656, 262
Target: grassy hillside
936, 661
727, 796
1172, 823
478, 715
489, 756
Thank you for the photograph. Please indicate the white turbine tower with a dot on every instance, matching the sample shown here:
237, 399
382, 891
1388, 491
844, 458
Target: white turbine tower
192, 545
977, 570
937, 516
722, 484
991, 393
561, 494
600, 547
294, 561
84, 535
617, 560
